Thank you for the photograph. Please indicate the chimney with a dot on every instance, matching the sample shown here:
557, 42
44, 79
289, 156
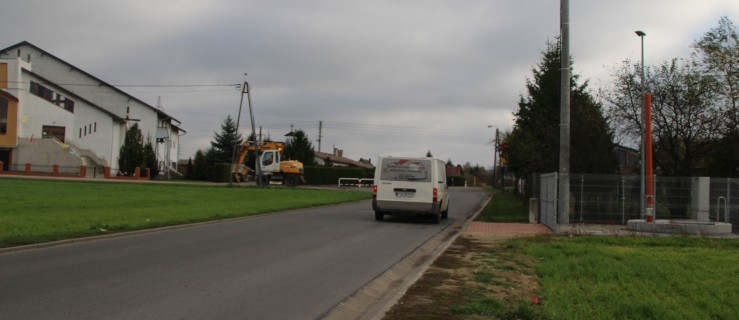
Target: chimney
341, 153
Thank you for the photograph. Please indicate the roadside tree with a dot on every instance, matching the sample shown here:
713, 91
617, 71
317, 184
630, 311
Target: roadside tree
298, 147
224, 141
685, 119
131, 154
717, 53
534, 140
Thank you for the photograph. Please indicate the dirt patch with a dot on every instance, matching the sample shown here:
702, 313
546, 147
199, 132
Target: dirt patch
479, 276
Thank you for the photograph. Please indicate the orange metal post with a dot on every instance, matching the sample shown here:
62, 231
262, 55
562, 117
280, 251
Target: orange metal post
648, 172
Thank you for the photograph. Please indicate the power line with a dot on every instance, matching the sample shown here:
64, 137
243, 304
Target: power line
234, 85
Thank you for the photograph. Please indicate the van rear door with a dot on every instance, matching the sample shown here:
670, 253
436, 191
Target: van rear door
405, 180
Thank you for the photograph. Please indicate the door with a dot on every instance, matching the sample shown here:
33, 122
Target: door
270, 161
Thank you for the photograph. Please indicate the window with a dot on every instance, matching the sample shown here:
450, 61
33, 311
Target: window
268, 158
3, 115
95, 127
53, 132
51, 96
405, 170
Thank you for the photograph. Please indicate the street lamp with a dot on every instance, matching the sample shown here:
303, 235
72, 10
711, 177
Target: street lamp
641, 35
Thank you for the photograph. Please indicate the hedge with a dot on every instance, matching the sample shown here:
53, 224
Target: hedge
320, 175
222, 172
456, 181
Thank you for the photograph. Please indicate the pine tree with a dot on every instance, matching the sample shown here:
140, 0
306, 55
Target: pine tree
200, 166
150, 160
300, 148
189, 170
534, 141
131, 154
224, 142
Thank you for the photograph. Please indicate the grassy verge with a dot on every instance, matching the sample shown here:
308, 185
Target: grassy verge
586, 277
504, 207
637, 278
589, 277
36, 211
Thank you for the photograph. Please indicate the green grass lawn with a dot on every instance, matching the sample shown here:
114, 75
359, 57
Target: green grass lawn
597, 277
34, 211
636, 277
504, 207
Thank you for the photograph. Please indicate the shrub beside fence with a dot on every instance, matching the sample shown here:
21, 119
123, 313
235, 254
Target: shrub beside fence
318, 175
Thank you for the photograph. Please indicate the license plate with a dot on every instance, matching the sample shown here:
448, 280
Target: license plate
404, 194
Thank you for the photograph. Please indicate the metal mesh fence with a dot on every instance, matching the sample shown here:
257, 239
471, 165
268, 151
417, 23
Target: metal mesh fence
615, 199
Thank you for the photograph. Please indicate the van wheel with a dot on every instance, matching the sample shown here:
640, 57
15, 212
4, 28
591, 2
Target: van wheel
379, 215
445, 213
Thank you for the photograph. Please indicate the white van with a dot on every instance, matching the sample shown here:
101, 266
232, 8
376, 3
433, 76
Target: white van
410, 186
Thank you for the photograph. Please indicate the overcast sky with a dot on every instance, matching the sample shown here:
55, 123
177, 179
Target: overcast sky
386, 77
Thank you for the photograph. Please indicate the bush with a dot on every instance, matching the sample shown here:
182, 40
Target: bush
456, 181
319, 175
222, 172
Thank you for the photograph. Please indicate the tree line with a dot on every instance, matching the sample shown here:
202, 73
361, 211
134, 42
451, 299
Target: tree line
694, 103
221, 151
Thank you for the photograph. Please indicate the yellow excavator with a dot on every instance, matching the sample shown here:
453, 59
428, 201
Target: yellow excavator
273, 167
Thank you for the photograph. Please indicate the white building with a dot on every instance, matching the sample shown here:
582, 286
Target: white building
42, 96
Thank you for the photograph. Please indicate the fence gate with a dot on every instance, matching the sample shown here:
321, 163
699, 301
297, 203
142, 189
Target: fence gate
548, 200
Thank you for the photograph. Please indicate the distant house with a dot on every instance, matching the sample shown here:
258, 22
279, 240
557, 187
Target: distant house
44, 98
453, 171
628, 159
337, 159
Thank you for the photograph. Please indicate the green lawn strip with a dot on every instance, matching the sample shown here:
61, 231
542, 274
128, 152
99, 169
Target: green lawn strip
504, 207
637, 278
36, 211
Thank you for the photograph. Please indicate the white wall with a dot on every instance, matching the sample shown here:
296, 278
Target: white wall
102, 96
36, 112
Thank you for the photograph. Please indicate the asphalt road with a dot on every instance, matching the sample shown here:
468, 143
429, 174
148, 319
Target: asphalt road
293, 265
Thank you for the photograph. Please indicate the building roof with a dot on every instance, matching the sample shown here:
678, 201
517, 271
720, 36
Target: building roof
102, 83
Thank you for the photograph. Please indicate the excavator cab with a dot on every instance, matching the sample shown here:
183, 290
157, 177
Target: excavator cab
289, 172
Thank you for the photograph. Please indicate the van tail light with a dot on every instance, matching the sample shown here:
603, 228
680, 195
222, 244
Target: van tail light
374, 192
436, 195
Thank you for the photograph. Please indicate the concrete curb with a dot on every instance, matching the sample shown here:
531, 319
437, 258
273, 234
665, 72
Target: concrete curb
376, 297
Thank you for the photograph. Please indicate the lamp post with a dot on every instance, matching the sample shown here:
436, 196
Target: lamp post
641, 35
